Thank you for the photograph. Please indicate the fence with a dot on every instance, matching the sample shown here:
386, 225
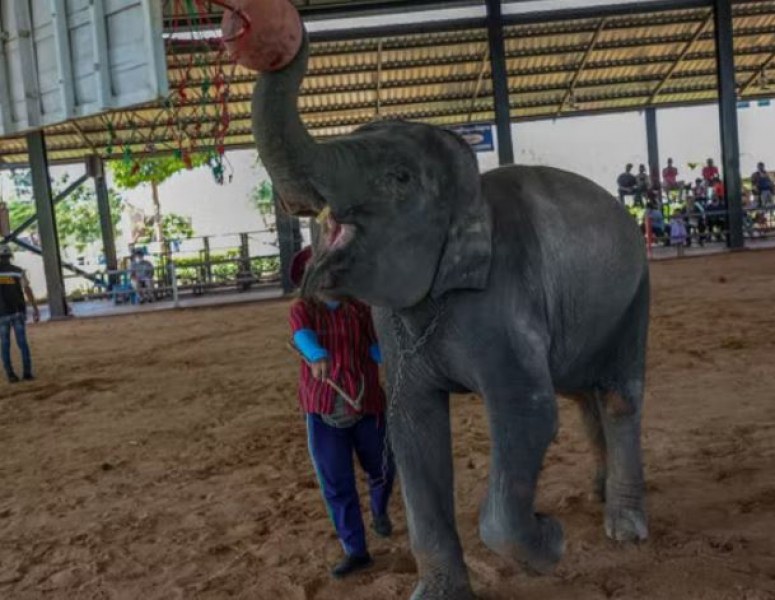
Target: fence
710, 227
196, 266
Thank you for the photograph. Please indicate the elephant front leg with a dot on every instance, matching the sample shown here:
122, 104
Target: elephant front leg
522, 426
421, 438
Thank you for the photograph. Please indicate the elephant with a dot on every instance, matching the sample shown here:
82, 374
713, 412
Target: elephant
519, 285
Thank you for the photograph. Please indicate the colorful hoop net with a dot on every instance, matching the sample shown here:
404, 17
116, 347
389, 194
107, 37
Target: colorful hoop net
194, 117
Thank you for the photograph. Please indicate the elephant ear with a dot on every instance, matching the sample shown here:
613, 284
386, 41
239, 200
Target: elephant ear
467, 254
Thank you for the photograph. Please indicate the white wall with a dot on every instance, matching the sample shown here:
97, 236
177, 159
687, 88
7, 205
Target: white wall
214, 209
689, 135
597, 147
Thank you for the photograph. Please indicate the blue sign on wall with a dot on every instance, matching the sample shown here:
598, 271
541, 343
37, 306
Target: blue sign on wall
479, 137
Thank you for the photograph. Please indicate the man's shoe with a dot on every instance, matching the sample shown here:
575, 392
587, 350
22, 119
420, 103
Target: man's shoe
382, 526
13, 378
351, 564
28, 377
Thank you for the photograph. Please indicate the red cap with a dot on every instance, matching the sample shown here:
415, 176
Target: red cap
299, 264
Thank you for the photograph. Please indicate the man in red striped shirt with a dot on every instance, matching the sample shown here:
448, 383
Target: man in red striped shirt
344, 404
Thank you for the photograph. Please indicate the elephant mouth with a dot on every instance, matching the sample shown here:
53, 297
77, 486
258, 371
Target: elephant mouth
338, 235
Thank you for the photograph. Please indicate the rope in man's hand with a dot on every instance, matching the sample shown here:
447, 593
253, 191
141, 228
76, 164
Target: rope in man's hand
356, 404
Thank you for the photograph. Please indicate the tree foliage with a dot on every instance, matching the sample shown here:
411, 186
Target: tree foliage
174, 227
78, 219
19, 211
157, 170
262, 199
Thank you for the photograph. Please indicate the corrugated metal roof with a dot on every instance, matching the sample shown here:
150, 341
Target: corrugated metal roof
555, 68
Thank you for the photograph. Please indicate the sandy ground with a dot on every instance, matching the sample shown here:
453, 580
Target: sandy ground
162, 456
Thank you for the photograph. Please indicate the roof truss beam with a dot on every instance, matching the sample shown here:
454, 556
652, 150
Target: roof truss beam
684, 53
568, 95
760, 72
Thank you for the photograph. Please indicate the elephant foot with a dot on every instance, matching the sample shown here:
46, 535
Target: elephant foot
626, 524
442, 577
538, 548
442, 589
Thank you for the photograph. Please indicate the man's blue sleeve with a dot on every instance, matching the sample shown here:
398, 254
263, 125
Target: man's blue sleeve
375, 353
306, 341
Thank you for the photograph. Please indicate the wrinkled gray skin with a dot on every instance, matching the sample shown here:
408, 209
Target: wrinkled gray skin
538, 284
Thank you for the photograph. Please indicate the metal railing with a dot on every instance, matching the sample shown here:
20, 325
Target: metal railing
711, 228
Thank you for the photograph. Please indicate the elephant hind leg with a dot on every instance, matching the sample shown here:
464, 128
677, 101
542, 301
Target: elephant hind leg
619, 401
589, 406
620, 413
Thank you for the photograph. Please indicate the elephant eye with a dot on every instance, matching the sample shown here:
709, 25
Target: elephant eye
401, 175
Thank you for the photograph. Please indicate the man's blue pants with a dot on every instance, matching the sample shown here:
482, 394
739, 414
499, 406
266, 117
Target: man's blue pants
15, 323
332, 449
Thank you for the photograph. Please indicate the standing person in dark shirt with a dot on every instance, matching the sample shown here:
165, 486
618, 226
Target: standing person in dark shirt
339, 345
642, 186
627, 183
13, 314
762, 185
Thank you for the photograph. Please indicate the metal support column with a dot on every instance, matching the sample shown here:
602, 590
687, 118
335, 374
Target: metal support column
652, 139
245, 275
208, 268
96, 168
730, 144
47, 227
289, 241
500, 82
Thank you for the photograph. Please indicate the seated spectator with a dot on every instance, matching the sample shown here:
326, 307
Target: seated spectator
716, 217
678, 233
709, 172
696, 223
627, 183
762, 185
656, 220
700, 192
141, 273
719, 191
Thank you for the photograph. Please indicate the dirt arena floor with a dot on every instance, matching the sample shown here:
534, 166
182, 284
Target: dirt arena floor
162, 456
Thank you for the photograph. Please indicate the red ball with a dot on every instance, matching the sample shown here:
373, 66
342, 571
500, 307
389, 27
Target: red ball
269, 41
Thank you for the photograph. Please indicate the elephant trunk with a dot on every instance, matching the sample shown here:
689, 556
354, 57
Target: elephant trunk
285, 147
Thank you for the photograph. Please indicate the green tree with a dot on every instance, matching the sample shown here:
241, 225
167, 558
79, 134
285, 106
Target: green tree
78, 219
153, 172
174, 227
19, 211
263, 200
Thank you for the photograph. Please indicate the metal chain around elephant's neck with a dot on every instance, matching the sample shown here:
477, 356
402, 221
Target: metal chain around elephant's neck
407, 348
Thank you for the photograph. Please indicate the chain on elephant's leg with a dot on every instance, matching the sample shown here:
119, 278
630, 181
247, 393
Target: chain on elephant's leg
625, 512
522, 427
420, 430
